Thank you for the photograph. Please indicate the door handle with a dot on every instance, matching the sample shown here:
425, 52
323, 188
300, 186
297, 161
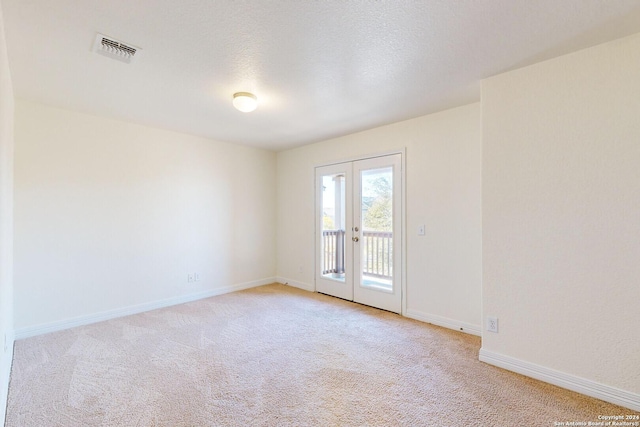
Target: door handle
355, 239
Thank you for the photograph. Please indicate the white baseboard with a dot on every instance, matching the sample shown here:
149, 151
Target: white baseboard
444, 322
564, 380
300, 285
60, 325
5, 373
413, 314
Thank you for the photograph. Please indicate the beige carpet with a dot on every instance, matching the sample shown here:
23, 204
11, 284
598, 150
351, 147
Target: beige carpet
275, 356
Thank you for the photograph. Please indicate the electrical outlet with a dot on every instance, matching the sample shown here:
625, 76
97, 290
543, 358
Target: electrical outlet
190, 278
196, 277
492, 324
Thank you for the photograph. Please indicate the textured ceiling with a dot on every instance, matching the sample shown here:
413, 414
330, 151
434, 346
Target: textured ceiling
320, 68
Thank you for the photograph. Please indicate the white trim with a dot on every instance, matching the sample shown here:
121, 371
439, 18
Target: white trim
561, 379
444, 322
300, 285
5, 369
363, 157
60, 325
403, 231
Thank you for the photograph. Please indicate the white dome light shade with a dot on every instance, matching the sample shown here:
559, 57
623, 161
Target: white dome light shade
245, 101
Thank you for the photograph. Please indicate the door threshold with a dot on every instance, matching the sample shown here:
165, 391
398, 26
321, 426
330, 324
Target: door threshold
358, 303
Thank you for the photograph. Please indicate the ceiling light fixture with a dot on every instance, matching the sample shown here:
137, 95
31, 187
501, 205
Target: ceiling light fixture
245, 101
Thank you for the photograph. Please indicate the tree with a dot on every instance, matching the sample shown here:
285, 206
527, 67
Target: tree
380, 212
327, 222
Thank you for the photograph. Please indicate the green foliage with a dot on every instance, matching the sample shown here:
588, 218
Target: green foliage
379, 214
327, 222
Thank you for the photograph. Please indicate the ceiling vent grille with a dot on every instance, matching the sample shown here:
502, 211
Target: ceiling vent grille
112, 48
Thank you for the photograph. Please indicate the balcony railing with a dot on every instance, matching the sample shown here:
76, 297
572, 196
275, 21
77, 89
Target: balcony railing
333, 246
377, 253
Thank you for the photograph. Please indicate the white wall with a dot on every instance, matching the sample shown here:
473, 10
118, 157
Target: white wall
561, 215
443, 191
6, 221
110, 215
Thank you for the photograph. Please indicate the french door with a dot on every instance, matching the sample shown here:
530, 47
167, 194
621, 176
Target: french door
358, 231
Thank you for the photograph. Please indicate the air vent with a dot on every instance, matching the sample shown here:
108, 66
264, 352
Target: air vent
112, 48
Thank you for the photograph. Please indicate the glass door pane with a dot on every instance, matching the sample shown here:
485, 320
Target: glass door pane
333, 226
376, 213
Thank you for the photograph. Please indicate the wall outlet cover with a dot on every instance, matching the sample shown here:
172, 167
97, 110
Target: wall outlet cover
492, 324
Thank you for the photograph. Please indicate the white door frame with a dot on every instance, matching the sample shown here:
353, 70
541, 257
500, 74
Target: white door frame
403, 232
